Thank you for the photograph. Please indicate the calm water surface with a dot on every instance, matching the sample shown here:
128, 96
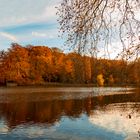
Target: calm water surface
69, 113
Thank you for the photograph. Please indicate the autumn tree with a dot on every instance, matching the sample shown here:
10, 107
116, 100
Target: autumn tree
111, 80
41, 65
58, 63
100, 80
78, 65
16, 64
91, 24
69, 71
134, 72
2, 67
40, 58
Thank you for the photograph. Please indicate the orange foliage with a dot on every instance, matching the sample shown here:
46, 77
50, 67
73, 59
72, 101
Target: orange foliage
40, 64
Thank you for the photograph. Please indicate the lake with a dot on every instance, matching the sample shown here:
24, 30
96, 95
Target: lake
69, 113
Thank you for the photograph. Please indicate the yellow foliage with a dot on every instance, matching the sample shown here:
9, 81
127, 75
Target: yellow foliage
100, 80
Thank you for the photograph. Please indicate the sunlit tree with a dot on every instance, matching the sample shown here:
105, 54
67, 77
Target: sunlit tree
100, 80
16, 64
40, 65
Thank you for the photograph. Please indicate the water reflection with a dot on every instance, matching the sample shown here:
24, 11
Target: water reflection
120, 118
90, 117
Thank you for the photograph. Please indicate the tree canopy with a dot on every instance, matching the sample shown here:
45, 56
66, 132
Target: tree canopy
40, 65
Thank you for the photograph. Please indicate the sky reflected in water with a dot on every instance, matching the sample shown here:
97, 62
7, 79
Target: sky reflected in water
69, 113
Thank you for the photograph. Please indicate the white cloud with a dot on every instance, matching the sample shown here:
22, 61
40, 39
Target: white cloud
50, 12
50, 35
13, 20
39, 34
110, 51
41, 11
118, 119
9, 36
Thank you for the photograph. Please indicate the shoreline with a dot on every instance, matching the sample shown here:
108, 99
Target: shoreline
53, 85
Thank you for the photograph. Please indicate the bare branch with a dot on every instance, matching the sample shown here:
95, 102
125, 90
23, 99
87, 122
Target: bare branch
92, 24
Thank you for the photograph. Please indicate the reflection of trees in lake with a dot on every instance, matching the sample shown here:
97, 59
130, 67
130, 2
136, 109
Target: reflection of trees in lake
51, 111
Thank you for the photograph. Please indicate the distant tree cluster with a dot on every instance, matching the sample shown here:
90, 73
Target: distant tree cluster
40, 65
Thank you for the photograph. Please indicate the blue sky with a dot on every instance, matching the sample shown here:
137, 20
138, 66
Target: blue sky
34, 22
29, 22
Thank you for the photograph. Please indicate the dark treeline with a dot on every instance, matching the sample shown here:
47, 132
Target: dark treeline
40, 65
